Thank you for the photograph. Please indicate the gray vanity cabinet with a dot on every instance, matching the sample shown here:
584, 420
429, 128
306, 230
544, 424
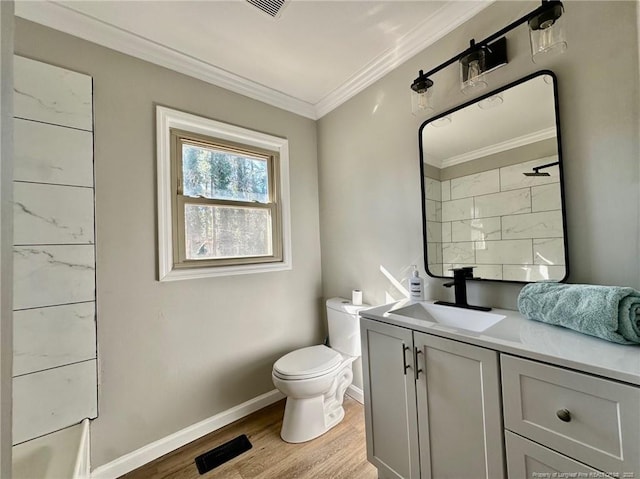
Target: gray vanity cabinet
459, 410
432, 405
390, 400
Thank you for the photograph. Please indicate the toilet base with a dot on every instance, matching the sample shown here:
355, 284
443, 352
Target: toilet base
307, 418
304, 420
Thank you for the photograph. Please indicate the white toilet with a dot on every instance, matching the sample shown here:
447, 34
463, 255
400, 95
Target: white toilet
314, 379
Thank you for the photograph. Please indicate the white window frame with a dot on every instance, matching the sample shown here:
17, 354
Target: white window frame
168, 119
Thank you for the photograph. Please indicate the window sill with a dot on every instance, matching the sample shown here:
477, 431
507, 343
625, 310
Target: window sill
177, 274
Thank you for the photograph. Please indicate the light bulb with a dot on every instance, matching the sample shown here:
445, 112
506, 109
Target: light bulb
421, 102
472, 68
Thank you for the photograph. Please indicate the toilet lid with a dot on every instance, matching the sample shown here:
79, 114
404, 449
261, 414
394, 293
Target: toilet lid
307, 362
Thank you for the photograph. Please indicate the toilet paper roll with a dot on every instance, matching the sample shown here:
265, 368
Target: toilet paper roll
356, 297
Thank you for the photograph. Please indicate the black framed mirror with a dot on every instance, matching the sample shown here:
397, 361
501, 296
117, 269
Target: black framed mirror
492, 185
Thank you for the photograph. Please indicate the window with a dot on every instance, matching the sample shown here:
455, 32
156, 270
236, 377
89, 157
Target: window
222, 198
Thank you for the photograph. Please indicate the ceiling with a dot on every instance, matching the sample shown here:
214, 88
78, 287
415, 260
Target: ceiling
311, 58
525, 115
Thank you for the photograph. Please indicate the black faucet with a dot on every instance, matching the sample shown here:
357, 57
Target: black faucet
460, 276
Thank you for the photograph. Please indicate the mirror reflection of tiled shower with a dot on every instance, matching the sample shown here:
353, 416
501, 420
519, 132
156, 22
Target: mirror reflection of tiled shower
506, 224
55, 378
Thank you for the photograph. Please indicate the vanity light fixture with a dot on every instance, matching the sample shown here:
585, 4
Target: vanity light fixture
472, 69
421, 95
546, 31
478, 61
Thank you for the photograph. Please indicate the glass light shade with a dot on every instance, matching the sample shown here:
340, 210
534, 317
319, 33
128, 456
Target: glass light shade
472, 68
421, 102
491, 102
547, 33
440, 122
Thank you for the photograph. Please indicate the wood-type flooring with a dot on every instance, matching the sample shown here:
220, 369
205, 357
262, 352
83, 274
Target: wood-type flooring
338, 454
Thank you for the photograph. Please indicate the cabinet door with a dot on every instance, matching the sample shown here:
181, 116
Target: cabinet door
459, 418
527, 459
390, 400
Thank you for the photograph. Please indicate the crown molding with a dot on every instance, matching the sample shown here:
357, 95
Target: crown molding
68, 20
446, 19
500, 147
65, 19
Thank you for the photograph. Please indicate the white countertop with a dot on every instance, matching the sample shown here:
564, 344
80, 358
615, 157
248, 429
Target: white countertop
522, 337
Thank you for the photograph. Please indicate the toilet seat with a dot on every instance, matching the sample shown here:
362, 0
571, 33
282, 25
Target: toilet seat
307, 363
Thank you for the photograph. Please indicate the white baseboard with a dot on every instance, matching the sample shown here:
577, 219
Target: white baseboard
148, 453
356, 393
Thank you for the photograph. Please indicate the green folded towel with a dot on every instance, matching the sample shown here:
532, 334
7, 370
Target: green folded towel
607, 312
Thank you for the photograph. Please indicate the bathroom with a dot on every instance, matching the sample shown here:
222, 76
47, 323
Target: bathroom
172, 354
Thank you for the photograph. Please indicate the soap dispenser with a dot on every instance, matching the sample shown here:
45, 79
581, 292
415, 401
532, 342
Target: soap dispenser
416, 285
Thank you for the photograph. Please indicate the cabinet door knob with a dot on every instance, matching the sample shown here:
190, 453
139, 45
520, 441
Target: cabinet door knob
563, 415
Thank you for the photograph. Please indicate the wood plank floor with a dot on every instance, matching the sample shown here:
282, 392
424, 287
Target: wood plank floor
338, 454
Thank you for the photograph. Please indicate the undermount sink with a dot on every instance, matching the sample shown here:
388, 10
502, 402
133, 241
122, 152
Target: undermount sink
468, 319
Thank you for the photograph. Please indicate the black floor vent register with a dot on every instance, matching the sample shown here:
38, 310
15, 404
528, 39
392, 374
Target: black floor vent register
223, 453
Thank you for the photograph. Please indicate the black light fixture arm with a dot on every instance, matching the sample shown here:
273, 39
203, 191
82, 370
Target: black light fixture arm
546, 4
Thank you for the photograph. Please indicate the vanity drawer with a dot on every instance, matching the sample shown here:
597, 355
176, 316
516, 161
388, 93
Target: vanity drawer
527, 459
593, 420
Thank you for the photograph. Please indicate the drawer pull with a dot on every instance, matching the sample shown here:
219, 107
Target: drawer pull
563, 415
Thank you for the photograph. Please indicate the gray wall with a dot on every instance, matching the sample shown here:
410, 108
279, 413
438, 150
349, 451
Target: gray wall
172, 354
370, 197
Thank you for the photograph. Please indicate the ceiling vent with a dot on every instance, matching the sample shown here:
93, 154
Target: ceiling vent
270, 7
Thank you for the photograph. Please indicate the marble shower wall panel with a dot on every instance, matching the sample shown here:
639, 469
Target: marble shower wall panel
505, 203
52, 275
475, 185
46, 338
432, 188
546, 224
445, 187
482, 229
50, 400
52, 214
504, 252
55, 379
546, 198
52, 95
52, 154
531, 272
548, 251
461, 209
433, 212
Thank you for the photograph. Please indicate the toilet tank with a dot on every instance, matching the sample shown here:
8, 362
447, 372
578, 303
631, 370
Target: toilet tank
344, 326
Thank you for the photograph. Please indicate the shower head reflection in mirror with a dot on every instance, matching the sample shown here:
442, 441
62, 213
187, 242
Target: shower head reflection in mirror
536, 170
492, 186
